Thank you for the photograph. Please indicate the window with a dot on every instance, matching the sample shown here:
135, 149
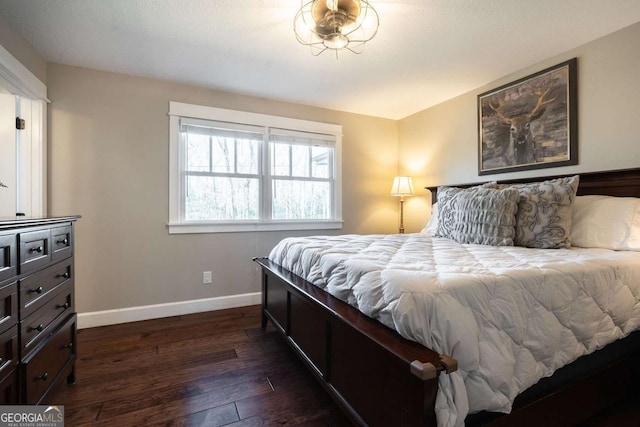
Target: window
234, 171
221, 173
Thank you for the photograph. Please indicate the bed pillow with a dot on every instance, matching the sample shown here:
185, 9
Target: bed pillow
606, 222
486, 217
544, 213
447, 202
432, 225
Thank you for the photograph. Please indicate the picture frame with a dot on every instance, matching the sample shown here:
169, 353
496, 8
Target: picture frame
531, 123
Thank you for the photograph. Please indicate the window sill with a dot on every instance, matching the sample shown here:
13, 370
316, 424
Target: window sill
208, 227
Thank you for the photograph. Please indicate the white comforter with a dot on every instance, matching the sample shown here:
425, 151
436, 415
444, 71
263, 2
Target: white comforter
509, 315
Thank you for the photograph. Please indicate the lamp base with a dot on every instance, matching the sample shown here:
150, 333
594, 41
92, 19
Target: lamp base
401, 230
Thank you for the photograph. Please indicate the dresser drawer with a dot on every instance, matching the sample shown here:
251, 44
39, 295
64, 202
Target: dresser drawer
36, 289
61, 243
47, 363
9, 388
35, 250
8, 306
41, 323
8, 256
8, 350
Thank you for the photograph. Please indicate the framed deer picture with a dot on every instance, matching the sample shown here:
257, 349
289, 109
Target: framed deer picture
531, 123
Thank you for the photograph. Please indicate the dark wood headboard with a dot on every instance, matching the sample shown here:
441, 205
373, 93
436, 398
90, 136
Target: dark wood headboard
621, 183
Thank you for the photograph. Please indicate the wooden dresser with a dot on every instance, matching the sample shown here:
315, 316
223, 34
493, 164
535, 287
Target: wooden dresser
37, 308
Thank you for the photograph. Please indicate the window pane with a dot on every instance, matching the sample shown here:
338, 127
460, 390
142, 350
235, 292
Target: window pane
300, 160
280, 159
223, 150
301, 200
248, 156
198, 155
320, 162
221, 198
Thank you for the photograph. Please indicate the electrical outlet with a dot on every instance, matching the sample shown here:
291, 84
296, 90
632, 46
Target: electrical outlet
206, 278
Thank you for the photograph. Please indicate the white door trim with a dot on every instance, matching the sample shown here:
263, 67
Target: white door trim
19, 81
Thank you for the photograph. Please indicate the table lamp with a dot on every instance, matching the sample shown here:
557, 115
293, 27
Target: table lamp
402, 186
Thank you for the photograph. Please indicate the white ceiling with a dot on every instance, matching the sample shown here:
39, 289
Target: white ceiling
426, 51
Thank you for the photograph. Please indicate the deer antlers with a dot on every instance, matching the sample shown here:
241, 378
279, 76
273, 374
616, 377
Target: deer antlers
541, 102
498, 110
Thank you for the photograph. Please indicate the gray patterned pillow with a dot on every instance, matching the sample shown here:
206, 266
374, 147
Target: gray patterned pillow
447, 201
486, 217
544, 213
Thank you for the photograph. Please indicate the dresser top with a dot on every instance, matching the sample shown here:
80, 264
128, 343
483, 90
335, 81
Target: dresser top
24, 221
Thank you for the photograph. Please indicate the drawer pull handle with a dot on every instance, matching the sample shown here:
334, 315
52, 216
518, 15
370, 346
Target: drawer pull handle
69, 346
43, 377
65, 275
64, 306
39, 328
64, 241
37, 290
39, 249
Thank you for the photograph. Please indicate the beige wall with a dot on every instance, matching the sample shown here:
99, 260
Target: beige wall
108, 161
20, 48
439, 145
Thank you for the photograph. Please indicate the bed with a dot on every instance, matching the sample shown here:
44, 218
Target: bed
380, 378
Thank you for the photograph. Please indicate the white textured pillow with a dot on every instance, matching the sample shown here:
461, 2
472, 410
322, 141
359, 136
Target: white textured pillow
544, 212
432, 225
486, 217
447, 207
606, 222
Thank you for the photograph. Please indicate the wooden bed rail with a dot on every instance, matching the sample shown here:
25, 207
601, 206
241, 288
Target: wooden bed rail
422, 362
343, 348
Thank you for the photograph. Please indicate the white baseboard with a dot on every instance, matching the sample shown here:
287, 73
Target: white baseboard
156, 311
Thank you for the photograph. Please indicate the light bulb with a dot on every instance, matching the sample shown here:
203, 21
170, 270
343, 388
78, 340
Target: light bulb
336, 41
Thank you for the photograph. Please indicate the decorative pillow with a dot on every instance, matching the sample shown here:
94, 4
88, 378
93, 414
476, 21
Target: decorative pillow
486, 217
432, 225
544, 213
606, 222
447, 200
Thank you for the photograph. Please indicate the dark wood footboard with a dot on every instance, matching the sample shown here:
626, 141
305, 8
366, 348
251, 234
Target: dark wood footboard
377, 377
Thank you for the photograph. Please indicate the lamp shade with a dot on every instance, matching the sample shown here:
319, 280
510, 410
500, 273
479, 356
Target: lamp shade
402, 186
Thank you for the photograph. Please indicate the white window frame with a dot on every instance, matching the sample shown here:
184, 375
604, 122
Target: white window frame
177, 224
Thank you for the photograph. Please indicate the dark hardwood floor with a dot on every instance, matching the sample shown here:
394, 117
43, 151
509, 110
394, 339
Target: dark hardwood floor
208, 369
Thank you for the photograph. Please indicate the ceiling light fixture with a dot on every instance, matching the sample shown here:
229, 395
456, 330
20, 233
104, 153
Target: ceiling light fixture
335, 25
